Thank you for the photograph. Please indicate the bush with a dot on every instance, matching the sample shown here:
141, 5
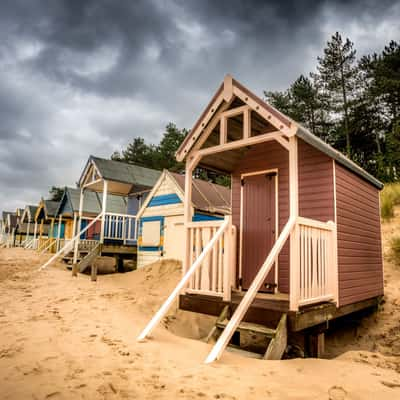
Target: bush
395, 250
390, 196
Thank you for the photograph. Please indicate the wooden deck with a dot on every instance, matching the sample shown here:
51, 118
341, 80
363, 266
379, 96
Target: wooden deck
268, 308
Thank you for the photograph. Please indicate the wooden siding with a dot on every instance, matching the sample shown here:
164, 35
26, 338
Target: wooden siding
359, 238
265, 156
316, 189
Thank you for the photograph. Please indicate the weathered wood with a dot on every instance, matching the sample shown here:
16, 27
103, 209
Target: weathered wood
249, 327
316, 344
278, 343
94, 272
89, 258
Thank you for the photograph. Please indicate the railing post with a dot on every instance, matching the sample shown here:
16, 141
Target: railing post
334, 275
294, 213
227, 259
58, 233
103, 210
76, 244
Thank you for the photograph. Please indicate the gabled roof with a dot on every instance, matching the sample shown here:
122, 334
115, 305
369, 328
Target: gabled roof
92, 202
29, 213
122, 172
51, 207
282, 123
206, 196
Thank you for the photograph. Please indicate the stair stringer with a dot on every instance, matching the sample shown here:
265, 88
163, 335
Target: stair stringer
89, 258
248, 298
278, 343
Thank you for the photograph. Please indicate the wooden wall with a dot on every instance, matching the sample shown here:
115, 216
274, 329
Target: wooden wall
316, 189
359, 238
261, 157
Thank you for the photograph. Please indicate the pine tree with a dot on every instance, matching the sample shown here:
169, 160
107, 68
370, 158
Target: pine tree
337, 75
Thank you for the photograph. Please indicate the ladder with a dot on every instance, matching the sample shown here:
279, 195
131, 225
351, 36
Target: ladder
271, 342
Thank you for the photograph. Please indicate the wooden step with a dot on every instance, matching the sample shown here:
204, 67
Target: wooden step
244, 353
250, 328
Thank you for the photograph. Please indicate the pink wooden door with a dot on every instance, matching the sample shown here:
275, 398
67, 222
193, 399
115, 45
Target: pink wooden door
258, 229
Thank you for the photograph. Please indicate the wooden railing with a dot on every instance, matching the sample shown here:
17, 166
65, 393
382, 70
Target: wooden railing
317, 271
188, 275
215, 274
120, 227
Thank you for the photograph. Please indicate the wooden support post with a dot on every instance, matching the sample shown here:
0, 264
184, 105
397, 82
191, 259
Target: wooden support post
103, 210
28, 232
316, 344
74, 226
93, 275
76, 244
35, 231
187, 213
59, 233
294, 269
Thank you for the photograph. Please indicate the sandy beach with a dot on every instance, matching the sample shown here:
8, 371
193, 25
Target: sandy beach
63, 337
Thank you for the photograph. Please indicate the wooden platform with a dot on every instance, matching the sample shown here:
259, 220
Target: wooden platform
115, 249
267, 309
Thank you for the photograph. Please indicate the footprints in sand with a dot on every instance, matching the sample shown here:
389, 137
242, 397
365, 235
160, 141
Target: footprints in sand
337, 393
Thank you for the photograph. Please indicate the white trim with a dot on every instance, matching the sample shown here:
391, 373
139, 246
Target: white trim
254, 173
266, 137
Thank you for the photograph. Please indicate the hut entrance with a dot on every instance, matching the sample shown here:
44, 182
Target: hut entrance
258, 226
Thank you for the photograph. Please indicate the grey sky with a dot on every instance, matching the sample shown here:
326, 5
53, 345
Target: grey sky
86, 77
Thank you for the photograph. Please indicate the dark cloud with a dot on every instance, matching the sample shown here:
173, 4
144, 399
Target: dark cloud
85, 77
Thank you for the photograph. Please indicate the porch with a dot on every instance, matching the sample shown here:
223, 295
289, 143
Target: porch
313, 269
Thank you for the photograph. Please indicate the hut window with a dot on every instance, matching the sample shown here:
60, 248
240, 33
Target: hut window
151, 233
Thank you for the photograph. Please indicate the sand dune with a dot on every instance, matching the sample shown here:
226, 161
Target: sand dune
63, 337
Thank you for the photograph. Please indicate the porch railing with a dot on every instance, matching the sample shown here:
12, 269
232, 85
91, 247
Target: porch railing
215, 274
317, 272
120, 227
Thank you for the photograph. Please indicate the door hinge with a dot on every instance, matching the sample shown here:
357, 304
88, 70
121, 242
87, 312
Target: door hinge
239, 282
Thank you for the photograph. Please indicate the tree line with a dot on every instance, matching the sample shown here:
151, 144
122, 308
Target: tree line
352, 104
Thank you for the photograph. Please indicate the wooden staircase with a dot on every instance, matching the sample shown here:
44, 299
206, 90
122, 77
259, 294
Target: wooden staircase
265, 342
88, 259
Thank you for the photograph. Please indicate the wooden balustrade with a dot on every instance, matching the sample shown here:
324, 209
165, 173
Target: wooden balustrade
317, 274
214, 276
120, 227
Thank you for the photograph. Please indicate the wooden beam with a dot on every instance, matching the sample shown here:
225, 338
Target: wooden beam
247, 123
239, 143
228, 88
103, 210
76, 243
223, 130
235, 111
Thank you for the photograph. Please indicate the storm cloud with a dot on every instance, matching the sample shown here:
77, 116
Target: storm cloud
86, 77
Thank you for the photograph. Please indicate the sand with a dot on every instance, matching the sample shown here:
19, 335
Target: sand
63, 337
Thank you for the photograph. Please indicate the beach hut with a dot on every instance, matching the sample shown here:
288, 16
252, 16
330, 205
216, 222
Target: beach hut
303, 245
161, 219
27, 226
9, 226
68, 212
111, 180
44, 225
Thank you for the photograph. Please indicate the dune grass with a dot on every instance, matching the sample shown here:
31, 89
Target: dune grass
395, 250
390, 197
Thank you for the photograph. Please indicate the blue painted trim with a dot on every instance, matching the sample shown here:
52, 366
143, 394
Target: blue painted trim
164, 199
150, 248
197, 217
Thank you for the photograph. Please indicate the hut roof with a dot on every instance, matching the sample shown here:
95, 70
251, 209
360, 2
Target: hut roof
92, 202
229, 86
206, 196
126, 173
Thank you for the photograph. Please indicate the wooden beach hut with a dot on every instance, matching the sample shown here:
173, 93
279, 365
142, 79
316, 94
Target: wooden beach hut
44, 225
9, 226
27, 225
161, 219
68, 212
111, 181
303, 245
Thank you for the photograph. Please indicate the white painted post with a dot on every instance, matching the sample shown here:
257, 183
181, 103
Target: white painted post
74, 225
59, 233
76, 244
28, 233
103, 210
294, 213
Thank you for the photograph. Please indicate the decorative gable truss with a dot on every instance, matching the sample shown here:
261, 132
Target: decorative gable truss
235, 118
90, 176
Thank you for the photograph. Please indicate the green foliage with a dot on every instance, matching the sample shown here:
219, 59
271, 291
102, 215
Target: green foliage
151, 156
56, 193
353, 105
395, 250
390, 197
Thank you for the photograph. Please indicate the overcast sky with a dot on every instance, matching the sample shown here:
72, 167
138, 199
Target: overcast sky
86, 77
